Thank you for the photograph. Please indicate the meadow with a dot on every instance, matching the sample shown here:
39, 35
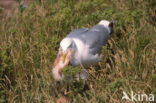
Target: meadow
29, 42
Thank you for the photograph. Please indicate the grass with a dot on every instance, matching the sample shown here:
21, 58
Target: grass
29, 42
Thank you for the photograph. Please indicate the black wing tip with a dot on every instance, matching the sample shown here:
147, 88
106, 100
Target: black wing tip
111, 24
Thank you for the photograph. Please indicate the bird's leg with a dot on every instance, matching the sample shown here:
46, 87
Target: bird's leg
68, 85
62, 84
84, 75
86, 85
69, 80
54, 89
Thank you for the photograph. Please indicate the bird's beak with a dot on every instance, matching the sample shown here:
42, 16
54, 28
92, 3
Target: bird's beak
64, 57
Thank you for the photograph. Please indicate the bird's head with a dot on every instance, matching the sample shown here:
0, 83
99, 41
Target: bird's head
66, 49
63, 59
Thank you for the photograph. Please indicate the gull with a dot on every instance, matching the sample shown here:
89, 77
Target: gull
82, 47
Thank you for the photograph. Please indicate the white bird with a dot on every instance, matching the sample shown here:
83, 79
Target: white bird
82, 47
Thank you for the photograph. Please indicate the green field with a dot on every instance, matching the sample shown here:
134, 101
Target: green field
29, 43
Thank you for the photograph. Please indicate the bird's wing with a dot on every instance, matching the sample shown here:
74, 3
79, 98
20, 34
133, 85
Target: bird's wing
95, 38
92, 40
77, 32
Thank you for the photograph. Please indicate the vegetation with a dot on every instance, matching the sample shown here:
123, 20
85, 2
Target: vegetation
29, 42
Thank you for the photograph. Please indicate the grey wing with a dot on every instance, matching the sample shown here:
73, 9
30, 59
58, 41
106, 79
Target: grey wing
95, 40
76, 33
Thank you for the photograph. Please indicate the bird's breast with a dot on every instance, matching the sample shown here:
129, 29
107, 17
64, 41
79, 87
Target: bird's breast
80, 53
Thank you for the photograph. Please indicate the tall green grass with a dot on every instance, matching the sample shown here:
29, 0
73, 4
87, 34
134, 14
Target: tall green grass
29, 42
